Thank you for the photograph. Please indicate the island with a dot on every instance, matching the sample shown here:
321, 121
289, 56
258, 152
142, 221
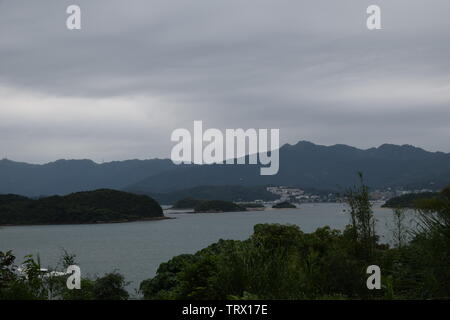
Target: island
253, 206
99, 206
217, 206
207, 206
284, 205
186, 203
409, 200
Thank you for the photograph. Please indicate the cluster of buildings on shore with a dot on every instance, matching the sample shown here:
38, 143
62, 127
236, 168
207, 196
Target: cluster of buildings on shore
389, 193
297, 195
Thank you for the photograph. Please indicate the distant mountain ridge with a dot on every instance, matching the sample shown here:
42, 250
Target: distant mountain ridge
309, 165
67, 176
225, 193
304, 164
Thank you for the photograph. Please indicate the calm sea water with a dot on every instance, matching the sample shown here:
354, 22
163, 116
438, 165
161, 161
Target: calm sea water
137, 248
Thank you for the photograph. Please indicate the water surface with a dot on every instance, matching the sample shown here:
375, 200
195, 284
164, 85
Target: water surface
137, 248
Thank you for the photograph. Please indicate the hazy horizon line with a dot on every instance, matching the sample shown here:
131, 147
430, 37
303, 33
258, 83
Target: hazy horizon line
168, 158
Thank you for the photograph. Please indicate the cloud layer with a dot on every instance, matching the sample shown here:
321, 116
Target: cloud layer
139, 69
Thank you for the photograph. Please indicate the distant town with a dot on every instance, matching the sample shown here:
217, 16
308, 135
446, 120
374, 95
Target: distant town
298, 196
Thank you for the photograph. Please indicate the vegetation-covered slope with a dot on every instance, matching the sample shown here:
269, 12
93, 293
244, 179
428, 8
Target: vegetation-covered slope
284, 205
67, 176
102, 205
408, 200
225, 193
217, 206
305, 165
308, 165
186, 203
282, 262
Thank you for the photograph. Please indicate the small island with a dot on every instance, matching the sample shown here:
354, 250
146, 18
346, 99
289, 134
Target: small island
284, 205
99, 206
186, 203
217, 206
253, 206
207, 206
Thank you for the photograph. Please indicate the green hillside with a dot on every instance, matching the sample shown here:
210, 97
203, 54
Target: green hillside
102, 205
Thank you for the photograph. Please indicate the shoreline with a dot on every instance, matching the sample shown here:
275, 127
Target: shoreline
180, 211
87, 223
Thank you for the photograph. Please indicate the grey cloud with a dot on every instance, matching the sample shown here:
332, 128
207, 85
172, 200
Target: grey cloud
310, 68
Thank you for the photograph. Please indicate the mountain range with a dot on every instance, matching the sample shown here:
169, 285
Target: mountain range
304, 164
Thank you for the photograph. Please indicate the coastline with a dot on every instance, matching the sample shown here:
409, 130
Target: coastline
191, 211
87, 223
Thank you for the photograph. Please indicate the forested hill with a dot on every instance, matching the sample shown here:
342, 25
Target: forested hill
308, 165
225, 193
304, 165
67, 176
83, 207
409, 200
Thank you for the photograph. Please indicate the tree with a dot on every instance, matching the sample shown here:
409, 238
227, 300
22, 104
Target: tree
27, 285
110, 287
362, 220
399, 229
433, 239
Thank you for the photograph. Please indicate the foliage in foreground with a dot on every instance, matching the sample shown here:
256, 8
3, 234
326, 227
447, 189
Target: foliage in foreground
33, 284
282, 262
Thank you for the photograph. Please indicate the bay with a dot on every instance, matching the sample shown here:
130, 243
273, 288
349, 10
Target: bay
136, 249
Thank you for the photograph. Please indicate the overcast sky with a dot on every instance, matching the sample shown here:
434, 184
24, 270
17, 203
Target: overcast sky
140, 69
